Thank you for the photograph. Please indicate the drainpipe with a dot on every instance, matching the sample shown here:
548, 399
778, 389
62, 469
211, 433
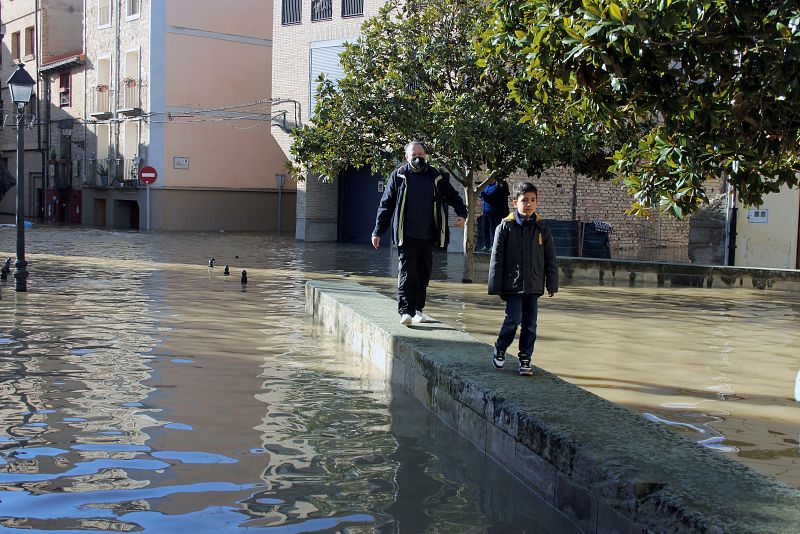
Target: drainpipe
46, 150
117, 66
84, 174
38, 52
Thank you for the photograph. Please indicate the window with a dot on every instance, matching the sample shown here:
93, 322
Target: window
130, 84
292, 11
29, 42
102, 96
103, 13
352, 8
15, 51
321, 9
133, 8
64, 80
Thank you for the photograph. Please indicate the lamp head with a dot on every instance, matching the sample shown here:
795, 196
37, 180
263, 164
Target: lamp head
21, 85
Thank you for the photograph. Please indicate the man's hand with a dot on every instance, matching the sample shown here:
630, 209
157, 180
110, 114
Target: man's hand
550, 293
376, 242
460, 222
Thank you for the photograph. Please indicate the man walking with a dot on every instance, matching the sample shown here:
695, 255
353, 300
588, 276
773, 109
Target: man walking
416, 200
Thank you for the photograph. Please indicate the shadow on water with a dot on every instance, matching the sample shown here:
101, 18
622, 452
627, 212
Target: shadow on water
143, 391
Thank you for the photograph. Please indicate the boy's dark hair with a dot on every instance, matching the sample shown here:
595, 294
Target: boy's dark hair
525, 187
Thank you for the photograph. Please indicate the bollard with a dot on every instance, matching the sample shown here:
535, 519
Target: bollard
6, 269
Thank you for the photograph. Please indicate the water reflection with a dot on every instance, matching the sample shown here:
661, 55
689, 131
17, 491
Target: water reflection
142, 390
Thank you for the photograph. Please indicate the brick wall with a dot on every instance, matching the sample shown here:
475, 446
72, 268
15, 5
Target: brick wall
567, 195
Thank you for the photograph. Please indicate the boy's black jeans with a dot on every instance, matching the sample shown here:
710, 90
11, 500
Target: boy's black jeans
520, 310
416, 263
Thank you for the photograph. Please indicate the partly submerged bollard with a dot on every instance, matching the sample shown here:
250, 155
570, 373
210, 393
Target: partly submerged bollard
6, 269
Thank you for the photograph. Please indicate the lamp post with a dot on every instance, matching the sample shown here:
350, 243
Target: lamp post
21, 86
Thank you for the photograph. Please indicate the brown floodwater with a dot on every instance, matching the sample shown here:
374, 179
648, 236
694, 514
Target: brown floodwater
719, 366
141, 390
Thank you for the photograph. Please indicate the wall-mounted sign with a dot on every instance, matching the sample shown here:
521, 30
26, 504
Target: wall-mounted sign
758, 216
180, 162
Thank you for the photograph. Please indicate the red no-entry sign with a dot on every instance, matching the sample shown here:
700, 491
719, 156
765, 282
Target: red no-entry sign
148, 174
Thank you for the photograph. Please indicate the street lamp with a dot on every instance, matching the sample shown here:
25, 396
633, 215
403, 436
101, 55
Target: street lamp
21, 86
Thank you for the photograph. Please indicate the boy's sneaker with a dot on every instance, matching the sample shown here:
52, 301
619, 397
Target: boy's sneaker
525, 368
420, 317
499, 358
405, 319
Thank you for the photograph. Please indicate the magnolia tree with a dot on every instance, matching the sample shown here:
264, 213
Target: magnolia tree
715, 85
414, 73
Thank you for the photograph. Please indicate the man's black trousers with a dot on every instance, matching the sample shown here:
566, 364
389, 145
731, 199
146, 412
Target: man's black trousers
416, 262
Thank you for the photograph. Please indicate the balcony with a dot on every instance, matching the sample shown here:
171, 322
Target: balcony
102, 103
131, 98
62, 178
116, 173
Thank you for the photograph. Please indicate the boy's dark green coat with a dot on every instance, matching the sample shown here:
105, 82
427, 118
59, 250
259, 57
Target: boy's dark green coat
523, 258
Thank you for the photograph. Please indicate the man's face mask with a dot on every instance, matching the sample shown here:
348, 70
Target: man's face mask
417, 163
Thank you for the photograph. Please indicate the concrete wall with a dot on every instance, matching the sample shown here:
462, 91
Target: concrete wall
221, 210
222, 152
773, 243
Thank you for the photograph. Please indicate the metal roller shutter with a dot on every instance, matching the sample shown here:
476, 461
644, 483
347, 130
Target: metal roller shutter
323, 60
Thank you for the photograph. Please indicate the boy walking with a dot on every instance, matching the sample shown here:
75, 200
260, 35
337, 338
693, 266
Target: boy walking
522, 266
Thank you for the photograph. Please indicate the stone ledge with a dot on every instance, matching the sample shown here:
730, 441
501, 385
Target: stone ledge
606, 467
634, 272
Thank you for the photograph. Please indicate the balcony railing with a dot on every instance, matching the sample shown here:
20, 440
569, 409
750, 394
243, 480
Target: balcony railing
119, 173
129, 174
102, 101
131, 97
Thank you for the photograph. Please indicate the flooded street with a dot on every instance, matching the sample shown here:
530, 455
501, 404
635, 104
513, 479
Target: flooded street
143, 391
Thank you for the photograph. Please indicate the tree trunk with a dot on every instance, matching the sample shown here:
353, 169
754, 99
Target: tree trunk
469, 230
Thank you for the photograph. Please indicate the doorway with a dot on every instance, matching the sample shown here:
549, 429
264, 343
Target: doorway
360, 191
100, 211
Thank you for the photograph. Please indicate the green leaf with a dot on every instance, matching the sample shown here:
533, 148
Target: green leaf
616, 12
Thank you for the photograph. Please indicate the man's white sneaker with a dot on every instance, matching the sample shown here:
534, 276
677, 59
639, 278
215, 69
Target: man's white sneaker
406, 319
422, 318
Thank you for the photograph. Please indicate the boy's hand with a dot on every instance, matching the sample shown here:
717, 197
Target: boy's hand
460, 221
376, 241
550, 293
